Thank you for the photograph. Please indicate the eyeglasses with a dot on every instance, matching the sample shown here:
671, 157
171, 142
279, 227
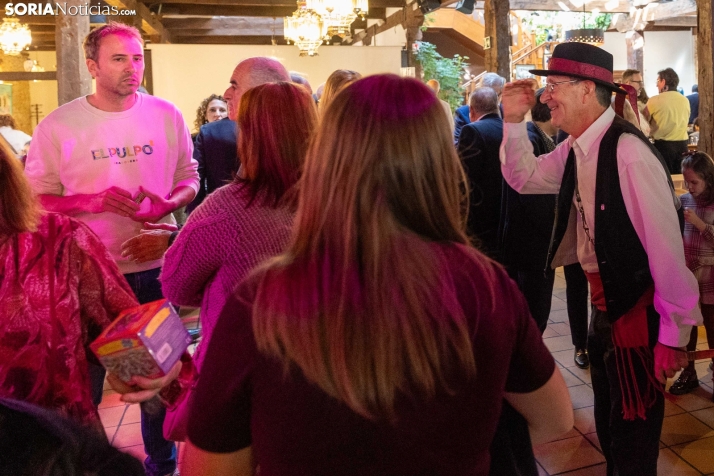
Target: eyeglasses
550, 87
635, 81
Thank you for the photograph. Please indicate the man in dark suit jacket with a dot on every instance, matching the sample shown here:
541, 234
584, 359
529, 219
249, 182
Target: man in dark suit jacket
216, 151
693, 104
215, 147
461, 116
478, 148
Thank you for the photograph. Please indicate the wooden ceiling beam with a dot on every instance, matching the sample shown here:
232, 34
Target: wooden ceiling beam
264, 3
172, 9
653, 13
150, 23
238, 33
684, 21
402, 17
554, 5
198, 23
228, 40
225, 10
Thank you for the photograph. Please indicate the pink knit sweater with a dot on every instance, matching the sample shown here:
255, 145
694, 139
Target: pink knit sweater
220, 243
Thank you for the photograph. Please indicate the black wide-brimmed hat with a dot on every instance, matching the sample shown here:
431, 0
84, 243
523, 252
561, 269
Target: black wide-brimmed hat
583, 61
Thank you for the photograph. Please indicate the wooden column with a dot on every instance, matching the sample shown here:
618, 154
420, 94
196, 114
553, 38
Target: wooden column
498, 28
635, 55
73, 79
705, 27
412, 29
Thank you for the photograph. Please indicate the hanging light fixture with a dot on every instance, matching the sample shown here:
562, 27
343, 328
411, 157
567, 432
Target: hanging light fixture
338, 15
306, 29
14, 36
593, 36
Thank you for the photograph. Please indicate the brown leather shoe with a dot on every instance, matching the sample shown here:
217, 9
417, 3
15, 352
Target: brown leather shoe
582, 360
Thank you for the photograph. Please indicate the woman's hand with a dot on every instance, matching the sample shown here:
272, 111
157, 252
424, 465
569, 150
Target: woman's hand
140, 389
692, 218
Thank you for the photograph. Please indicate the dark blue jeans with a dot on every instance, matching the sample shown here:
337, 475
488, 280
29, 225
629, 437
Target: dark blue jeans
160, 453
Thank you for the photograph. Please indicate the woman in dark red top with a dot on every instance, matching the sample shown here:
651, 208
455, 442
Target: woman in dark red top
379, 342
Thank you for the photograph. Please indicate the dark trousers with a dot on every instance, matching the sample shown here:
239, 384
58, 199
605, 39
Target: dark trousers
631, 448
672, 151
537, 288
160, 453
576, 294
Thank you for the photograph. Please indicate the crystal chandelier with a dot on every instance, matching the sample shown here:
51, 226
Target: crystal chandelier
306, 29
14, 36
338, 15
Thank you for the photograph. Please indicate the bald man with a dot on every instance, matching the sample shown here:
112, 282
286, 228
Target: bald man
215, 147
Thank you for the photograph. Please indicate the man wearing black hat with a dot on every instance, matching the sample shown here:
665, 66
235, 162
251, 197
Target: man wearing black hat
628, 242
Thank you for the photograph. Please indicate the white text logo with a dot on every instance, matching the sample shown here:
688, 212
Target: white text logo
22, 9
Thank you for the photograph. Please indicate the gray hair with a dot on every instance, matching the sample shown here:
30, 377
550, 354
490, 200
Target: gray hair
493, 81
298, 78
483, 101
603, 95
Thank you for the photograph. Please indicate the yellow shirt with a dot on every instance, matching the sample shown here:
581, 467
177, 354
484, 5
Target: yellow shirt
669, 115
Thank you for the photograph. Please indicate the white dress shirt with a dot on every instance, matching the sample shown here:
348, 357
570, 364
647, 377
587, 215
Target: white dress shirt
648, 200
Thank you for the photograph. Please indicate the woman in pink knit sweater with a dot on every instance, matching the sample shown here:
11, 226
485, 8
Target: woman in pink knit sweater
248, 220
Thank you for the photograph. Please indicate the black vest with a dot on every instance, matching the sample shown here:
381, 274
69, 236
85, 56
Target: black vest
622, 260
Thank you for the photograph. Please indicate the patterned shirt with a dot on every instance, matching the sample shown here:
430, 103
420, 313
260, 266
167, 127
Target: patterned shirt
699, 247
59, 288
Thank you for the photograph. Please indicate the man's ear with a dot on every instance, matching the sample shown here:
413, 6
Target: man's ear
472, 114
590, 88
91, 67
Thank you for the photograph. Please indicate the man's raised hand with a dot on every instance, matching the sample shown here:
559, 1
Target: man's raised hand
517, 99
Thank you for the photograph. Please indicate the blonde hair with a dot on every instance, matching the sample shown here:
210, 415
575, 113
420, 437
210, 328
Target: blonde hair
361, 301
335, 83
203, 108
19, 210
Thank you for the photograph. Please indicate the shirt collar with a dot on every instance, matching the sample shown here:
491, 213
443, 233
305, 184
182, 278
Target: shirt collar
593, 134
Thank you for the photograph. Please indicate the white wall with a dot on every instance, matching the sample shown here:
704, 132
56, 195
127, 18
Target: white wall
186, 74
669, 49
615, 45
662, 49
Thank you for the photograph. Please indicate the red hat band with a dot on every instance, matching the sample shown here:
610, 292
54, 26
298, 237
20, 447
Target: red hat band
580, 69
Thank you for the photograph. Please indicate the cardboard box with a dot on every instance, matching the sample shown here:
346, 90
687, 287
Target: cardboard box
146, 340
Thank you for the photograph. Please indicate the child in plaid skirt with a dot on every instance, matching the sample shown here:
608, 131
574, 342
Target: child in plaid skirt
698, 171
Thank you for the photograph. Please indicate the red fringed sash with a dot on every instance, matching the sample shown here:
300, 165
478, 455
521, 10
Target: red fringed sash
631, 339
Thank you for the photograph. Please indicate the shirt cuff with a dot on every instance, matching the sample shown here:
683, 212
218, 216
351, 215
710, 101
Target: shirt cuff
671, 334
515, 130
193, 183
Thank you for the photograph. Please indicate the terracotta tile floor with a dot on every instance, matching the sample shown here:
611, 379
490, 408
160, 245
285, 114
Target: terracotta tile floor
687, 441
